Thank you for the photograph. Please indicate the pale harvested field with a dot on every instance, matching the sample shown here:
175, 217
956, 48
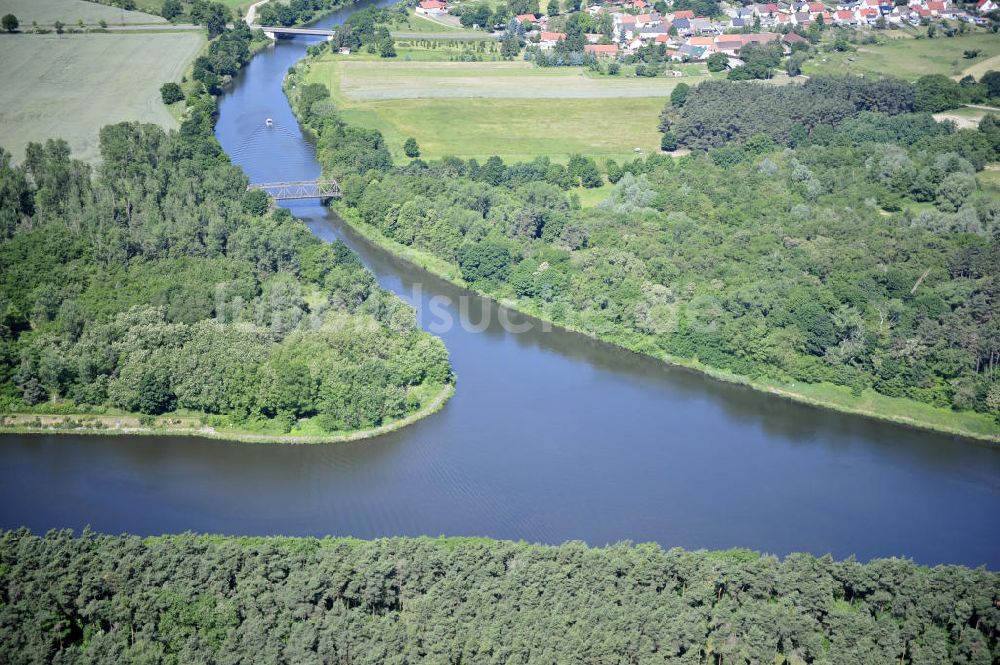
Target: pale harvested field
977, 70
375, 81
47, 12
70, 86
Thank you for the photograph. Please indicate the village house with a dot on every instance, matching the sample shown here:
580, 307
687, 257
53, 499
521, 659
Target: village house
526, 18
683, 26
729, 44
688, 52
707, 43
432, 8
986, 6
792, 38
650, 34
547, 40
845, 17
703, 26
602, 50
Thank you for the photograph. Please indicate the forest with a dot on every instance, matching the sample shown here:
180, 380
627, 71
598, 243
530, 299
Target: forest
211, 599
157, 283
820, 233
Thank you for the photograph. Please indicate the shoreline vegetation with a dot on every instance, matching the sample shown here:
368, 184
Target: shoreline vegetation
935, 420
846, 399
132, 424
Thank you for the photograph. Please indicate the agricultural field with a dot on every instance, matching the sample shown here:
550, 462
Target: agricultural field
982, 66
69, 86
909, 58
509, 109
47, 12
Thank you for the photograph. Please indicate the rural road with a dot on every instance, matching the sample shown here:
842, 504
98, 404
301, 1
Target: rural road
251, 16
152, 26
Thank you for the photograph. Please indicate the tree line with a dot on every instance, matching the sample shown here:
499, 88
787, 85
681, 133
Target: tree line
852, 245
187, 598
294, 12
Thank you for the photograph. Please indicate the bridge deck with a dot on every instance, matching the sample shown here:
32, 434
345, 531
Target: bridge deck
277, 29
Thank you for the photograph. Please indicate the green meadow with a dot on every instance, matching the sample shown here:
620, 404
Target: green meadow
909, 58
511, 109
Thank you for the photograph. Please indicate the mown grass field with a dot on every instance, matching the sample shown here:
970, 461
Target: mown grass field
909, 58
509, 109
417, 23
69, 86
47, 12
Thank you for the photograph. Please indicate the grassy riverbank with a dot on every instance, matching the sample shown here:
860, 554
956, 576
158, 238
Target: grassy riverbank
432, 399
824, 395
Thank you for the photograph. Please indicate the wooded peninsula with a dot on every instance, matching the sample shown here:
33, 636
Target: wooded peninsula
158, 283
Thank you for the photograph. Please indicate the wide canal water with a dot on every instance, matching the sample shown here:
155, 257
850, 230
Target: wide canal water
550, 437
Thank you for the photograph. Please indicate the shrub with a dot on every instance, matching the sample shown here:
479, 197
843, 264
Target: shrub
171, 93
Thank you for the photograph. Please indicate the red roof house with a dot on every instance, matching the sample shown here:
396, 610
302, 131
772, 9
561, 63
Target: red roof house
605, 50
432, 7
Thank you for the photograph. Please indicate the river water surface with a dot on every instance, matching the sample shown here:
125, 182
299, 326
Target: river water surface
550, 437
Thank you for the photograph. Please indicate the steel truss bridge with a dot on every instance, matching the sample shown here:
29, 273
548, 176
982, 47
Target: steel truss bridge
302, 189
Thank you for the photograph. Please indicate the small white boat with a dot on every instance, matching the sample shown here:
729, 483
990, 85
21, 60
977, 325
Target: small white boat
269, 122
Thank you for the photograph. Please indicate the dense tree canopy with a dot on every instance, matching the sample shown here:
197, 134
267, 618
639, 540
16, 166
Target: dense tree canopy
183, 599
717, 112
